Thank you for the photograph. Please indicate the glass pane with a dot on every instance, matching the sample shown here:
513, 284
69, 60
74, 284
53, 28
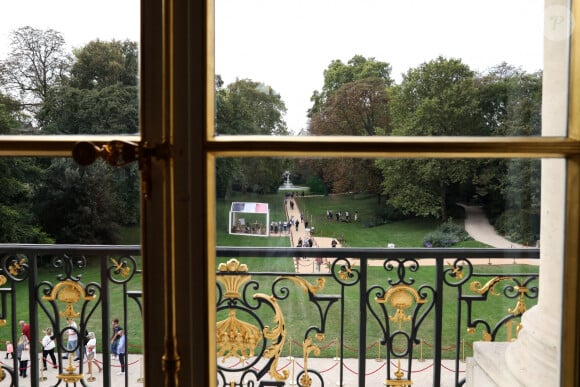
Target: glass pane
70, 68
70, 248
371, 68
354, 248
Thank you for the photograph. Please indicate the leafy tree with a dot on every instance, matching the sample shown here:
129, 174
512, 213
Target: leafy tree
250, 108
113, 109
357, 108
8, 114
354, 101
438, 98
338, 74
101, 64
17, 177
36, 64
510, 101
78, 204
247, 107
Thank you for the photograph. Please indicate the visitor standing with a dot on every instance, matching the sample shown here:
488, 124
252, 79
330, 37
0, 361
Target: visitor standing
23, 355
91, 348
115, 338
9, 350
25, 327
121, 351
72, 340
48, 348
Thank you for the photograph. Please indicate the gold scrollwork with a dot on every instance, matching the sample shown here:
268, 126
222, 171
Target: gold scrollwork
16, 266
401, 297
232, 283
121, 268
69, 292
276, 335
345, 272
307, 286
489, 286
307, 348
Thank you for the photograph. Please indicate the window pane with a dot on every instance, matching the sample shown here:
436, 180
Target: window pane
364, 228
83, 78
384, 68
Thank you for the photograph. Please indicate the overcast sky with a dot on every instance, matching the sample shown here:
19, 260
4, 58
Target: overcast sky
287, 44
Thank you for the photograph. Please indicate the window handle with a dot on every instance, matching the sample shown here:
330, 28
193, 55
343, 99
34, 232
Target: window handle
118, 153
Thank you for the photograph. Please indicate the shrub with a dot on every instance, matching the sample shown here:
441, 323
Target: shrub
446, 235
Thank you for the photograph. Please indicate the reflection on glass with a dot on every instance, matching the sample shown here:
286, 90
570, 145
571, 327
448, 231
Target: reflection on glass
379, 68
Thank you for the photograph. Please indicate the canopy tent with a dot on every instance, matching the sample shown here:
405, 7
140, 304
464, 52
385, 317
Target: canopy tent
249, 218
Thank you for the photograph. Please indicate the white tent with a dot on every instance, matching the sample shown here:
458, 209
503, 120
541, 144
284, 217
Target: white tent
257, 221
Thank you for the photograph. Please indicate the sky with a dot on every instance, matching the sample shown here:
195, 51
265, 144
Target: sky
287, 44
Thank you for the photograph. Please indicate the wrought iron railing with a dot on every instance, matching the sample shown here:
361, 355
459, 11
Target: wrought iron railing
43, 285
348, 297
274, 325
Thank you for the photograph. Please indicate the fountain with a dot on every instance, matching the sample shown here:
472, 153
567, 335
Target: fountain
288, 186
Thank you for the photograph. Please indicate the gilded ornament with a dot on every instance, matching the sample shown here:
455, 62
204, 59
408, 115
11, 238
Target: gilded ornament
236, 338
306, 286
232, 283
69, 292
16, 266
401, 297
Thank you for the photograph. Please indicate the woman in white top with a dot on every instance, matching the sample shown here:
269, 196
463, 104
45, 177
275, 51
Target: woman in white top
91, 348
48, 348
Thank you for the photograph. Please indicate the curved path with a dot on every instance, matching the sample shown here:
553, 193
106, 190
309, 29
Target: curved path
479, 228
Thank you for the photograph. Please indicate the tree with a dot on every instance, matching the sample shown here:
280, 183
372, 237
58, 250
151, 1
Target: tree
78, 204
8, 114
357, 108
510, 101
112, 109
36, 64
338, 74
354, 101
248, 107
438, 98
101, 64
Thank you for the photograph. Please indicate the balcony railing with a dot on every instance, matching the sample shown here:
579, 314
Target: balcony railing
44, 285
399, 306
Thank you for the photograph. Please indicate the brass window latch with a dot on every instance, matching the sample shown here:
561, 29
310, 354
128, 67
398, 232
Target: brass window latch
118, 153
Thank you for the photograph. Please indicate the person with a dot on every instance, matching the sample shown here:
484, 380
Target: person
9, 349
334, 243
48, 348
115, 337
121, 351
25, 327
23, 355
91, 348
73, 339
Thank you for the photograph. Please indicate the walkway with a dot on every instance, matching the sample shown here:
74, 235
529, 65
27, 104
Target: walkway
306, 265
134, 373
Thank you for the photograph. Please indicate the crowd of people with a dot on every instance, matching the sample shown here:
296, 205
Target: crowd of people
342, 216
48, 344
